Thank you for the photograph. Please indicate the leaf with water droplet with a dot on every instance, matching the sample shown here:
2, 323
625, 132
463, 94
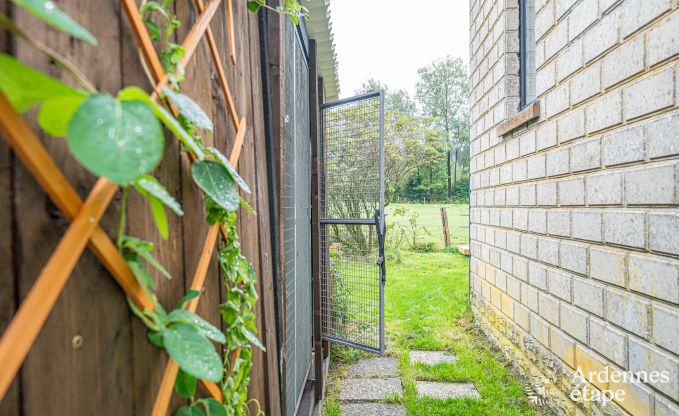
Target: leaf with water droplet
109, 147
137, 94
217, 183
47, 11
152, 186
25, 87
193, 352
219, 157
189, 109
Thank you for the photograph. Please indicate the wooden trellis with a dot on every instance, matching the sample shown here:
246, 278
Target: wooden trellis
84, 229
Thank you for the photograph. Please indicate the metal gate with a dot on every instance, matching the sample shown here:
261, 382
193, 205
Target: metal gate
352, 221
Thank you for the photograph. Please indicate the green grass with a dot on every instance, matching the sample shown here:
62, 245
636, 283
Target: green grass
427, 307
429, 223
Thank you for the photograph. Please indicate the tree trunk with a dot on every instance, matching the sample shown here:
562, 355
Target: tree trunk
450, 187
431, 184
457, 151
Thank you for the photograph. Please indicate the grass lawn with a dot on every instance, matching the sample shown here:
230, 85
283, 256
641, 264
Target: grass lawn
427, 308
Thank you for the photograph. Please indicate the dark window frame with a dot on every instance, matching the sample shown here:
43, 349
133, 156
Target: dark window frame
523, 56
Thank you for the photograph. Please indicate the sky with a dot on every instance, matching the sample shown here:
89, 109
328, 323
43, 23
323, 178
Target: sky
390, 39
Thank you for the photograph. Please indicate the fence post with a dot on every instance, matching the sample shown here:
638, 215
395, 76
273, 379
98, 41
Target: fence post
444, 222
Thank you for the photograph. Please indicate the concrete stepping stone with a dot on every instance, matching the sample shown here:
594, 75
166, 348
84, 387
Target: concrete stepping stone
446, 390
374, 367
372, 409
369, 389
431, 357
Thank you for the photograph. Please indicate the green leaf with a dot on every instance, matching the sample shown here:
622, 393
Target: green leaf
140, 273
253, 339
192, 294
189, 411
219, 157
189, 109
154, 29
159, 216
152, 186
244, 204
118, 140
217, 183
155, 338
193, 352
137, 94
205, 328
143, 249
153, 6
56, 113
26, 87
253, 6
213, 407
47, 11
185, 384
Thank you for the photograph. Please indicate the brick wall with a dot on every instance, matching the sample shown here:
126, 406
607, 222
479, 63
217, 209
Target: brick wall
575, 219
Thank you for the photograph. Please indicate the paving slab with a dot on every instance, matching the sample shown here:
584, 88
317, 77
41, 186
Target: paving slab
432, 357
374, 367
369, 389
446, 390
372, 409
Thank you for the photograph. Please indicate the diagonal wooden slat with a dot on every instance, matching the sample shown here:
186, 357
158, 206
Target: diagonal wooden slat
171, 369
18, 343
231, 30
221, 76
38, 161
29, 319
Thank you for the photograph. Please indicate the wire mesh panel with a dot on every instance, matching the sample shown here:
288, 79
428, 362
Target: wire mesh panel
352, 222
297, 221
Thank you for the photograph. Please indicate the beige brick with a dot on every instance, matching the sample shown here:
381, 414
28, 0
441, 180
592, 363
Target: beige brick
563, 346
604, 189
569, 61
539, 328
573, 256
537, 275
586, 155
586, 84
560, 284
574, 322
572, 125
624, 146
643, 357
654, 276
558, 162
623, 62
559, 222
628, 311
556, 39
544, 20
522, 316
604, 112
588, 295
663, 39
546, 136
529, 297
650, 94
608, 266
582, 16
556, 101
572, 192
625, 228
545, 79
662, 138
587, 225
666, 327
601, 37
608, 341
663, 229
651, 185
638, 13
548, 307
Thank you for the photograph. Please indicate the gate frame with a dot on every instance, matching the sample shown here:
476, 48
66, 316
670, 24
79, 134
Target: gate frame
378, 220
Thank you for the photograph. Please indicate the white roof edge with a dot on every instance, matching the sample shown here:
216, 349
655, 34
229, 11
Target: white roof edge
319, 27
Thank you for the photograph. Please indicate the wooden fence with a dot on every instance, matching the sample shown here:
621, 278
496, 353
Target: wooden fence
82, 350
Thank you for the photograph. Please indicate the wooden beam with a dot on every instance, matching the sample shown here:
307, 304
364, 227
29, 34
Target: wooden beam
29, 319
231, 31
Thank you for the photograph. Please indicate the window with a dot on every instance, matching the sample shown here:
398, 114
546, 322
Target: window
527, 51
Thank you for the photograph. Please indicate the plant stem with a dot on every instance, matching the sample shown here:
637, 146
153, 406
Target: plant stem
121, 218
51, 53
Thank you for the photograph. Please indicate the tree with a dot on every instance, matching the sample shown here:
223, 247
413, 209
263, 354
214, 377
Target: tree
443, 93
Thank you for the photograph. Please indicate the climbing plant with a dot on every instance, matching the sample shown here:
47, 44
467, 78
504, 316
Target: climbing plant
121, 138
